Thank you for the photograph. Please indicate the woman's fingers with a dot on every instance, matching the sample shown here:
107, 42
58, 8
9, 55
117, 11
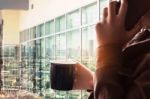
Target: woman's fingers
123, 9
98, 28
105, 14
112, 9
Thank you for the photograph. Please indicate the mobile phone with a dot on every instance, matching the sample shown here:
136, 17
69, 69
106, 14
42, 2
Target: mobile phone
136, 9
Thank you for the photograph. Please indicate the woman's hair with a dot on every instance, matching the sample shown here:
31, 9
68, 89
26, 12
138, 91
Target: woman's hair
136, 9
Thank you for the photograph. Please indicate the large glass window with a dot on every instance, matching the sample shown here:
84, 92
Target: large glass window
6, 51
89, 14
25, 35
50, 48
23, 51
28, 34
60, 24
9, 51
73, 19
27, 66
61, 46
22, 36
60, 95
49, 55
40, 30
12, 52
65, 39
10, 74
24, 80
49, 27
85, 94
74, 44
32, 33
31, 64
40, 66
88, 46
74, 94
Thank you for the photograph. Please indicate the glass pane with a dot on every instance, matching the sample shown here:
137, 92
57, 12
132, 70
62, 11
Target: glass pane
74, 94
50, 94
40, 30
50, 48
24, 35
29, 65
50, 55
60, 24
40, 66
12, 51
25, 81
73, 19
60, 95
88, 47
60, 46
33, 33
90, 14
11, 70
49, 27
85, 94
28, 34
6, 51
20, 37
74, 44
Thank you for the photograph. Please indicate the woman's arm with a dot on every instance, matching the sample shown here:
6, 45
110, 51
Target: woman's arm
111, 37
108, 81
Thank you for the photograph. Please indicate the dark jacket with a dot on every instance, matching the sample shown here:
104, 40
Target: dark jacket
124, 74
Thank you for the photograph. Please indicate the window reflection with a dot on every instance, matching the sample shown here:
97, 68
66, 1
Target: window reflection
89, 14
41, 68
88, 46
49, 27
74, 44
60, 24
49, 55
32, 33
74, 94
73, 19
71, 36
50, 47
40, 30
10, 75
60, 46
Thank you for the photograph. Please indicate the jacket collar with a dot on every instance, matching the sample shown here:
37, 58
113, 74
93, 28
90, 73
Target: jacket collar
138, 45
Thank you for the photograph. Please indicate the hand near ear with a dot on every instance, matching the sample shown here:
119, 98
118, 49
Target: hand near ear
111, 29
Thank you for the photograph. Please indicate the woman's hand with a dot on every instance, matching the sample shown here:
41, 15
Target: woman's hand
83, 77
111, 29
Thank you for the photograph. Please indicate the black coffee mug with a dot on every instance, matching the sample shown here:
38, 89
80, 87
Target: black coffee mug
62, 75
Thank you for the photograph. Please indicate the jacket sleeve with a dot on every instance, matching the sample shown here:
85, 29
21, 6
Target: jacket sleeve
108, 81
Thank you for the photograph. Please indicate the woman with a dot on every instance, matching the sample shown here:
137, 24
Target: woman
123, 58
